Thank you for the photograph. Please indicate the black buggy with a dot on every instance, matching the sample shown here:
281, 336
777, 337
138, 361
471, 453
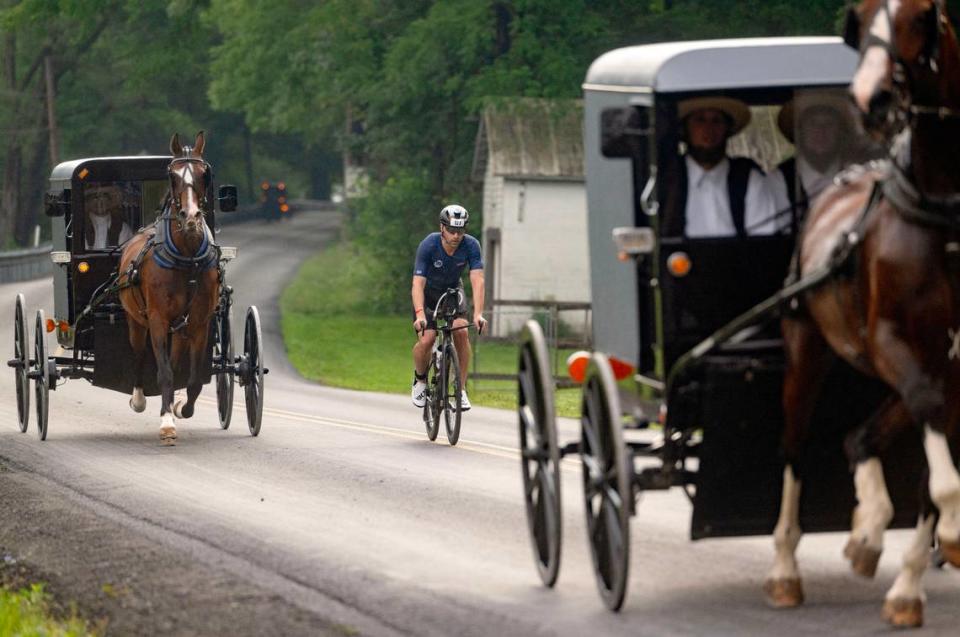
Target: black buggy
687, 342
89, 321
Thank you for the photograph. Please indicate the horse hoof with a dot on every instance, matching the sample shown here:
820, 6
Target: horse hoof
168, 436
784, 593
863, 559
138, 406
903, 613
951, 552
182, 410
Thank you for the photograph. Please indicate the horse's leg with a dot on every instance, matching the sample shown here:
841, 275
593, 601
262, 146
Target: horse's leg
874, 508
944, 491
158, 337
904, 602
138, 341
197, 350
808, 358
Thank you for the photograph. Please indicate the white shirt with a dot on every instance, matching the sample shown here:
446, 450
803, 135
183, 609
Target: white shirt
708, 203
814, 182
101, 225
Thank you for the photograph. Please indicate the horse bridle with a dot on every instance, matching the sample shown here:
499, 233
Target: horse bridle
200, 189
902, 80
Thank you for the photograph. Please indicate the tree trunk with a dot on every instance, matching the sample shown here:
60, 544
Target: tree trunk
11, 165
248, 162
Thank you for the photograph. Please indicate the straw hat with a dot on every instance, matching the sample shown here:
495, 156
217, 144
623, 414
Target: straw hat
737, 111
788, 115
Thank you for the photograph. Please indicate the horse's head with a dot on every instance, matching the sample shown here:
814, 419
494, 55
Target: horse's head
190, 177
900, 44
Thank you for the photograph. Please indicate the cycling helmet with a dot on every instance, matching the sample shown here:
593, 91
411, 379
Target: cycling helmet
454, 216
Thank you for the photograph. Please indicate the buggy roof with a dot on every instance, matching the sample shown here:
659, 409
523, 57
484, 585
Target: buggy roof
67, 170
706, 65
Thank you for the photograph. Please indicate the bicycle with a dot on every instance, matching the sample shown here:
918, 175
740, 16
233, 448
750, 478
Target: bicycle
444, 385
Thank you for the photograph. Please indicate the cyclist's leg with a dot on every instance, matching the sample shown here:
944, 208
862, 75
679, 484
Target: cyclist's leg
422, 350
461, 341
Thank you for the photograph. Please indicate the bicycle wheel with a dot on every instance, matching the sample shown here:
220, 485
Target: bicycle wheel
431, 413
452, 397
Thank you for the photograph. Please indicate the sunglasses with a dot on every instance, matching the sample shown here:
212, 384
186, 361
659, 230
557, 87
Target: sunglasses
452, 230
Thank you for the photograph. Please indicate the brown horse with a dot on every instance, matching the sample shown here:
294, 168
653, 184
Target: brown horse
172, 290
894, 311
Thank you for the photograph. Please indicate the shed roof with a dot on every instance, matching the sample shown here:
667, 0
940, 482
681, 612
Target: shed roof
723, 64
531, 138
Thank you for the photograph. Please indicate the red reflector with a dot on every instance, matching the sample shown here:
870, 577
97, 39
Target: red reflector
64, 326
577, 365
51, 325
621, 369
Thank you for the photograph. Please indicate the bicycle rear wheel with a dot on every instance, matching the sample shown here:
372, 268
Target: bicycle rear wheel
451, 394
431, 411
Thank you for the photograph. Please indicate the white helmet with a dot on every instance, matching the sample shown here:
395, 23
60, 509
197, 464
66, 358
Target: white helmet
454, 216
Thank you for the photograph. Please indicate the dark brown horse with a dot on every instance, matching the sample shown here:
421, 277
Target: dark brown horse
894, 312
171, 269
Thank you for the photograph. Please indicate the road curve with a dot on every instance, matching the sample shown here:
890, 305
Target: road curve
340, 518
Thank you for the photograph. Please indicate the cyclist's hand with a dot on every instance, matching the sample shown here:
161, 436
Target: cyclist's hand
420, 325
480, 322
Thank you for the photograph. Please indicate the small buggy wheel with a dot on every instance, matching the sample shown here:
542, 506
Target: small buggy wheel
223, 359
41, 373
21, 365
607, 482
253, 369
539, 454
452, 396
431, 408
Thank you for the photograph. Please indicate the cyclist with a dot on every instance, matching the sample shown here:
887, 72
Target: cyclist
441, 260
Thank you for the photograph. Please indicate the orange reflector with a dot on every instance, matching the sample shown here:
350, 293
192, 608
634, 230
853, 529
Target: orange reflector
577, 365
51, 325
623, 256
63, 326
282, 186
265, 185
83, 267
679, 264
284, 208
83, 173
621, 369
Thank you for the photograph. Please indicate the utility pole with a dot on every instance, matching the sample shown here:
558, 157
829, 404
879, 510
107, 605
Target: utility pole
51, 110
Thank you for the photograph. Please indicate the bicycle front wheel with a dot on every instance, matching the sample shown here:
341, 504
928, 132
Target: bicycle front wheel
452, 394
431, 413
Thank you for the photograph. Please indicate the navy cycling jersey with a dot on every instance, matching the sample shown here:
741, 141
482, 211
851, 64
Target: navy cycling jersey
442, 270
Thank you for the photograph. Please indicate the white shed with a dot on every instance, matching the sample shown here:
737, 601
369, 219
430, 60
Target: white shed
529, 155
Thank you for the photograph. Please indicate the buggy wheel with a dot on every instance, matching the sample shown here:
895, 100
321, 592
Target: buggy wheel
539, 455
431, 411
451, 394
21, 364
607, 482
253, 369
41, 374
223, 358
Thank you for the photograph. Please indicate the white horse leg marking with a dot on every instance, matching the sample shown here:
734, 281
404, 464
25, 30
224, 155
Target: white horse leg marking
904, 602
138, 402
786, 535
871, 517
168, 429
944, 485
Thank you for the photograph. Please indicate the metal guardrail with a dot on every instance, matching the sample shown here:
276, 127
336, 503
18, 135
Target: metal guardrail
25, 264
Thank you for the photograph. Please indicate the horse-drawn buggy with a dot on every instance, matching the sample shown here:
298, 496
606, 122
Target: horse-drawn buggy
765, 357
141, 312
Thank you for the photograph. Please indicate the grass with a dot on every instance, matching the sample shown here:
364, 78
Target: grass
332, 337
27, 612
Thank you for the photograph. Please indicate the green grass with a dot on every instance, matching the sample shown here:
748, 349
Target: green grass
331, 337
27, 612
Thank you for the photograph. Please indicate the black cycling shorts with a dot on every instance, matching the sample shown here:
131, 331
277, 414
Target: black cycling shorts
432, 296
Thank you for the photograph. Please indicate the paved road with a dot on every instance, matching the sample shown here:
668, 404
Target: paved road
341, 517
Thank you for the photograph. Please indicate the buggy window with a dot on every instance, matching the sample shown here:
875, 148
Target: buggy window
115, 210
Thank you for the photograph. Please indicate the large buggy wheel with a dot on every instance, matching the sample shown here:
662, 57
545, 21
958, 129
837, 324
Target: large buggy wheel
21, 364
253, 369
452, 394
223, 359
607, 482
539, 454
41, 376
431, 408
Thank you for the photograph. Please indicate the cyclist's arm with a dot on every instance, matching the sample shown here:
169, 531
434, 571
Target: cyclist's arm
417, 296
476, 282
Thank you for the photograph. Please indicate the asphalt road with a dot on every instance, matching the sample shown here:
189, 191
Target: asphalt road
342, 518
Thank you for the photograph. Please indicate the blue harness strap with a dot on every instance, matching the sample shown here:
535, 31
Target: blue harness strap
167, 256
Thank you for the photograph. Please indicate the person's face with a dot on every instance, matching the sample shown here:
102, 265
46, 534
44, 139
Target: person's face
819, 132
453, 236
101, 200
707, 129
